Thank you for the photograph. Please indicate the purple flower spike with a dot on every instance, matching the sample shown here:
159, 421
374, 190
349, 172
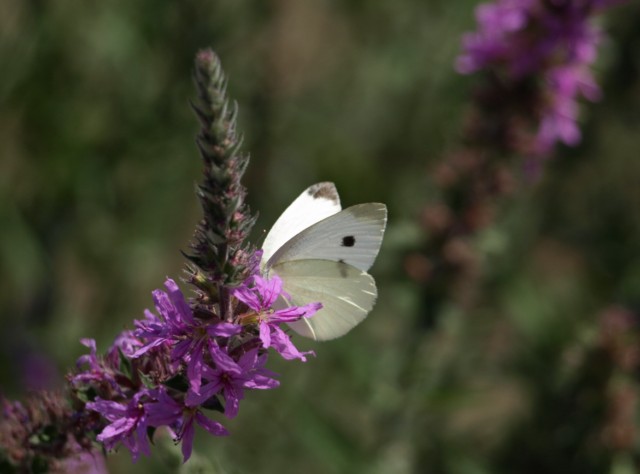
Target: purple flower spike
185, 354
553, 44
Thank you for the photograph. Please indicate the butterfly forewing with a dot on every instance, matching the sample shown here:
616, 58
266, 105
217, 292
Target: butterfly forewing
352, 236
347, 295
317, 202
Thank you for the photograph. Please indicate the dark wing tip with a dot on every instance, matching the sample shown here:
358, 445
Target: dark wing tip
324, 190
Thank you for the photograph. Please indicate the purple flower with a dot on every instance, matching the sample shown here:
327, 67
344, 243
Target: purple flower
95, 371
231, 378
188, 337
128, 424
126, 344
552, 44
260, 295
166, 411
497, 22
176, 318
525, 36
90, 359
187, 353
217, 358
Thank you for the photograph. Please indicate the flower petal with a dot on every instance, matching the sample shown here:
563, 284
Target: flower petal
211, 426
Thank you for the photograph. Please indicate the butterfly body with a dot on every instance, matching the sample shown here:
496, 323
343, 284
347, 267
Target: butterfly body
322, 253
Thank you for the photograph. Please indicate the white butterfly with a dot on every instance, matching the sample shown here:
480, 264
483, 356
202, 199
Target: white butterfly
322, 253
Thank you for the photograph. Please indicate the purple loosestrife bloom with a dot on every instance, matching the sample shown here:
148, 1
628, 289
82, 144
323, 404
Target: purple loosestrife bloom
189, 338
188, 356
126, 344
232, 378
128, 424
497, 22
553, 43
96, 371
260, 295
166, 411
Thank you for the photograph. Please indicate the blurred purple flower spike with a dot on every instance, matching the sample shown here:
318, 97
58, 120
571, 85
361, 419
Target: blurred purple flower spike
553, 43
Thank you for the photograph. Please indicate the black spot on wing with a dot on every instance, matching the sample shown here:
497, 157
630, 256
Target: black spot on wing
348, 241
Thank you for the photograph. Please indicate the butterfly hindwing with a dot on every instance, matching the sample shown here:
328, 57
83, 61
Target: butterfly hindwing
347, 295
316, 203
352, 236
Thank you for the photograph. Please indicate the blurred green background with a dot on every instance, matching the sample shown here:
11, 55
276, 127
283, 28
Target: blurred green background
97, 170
